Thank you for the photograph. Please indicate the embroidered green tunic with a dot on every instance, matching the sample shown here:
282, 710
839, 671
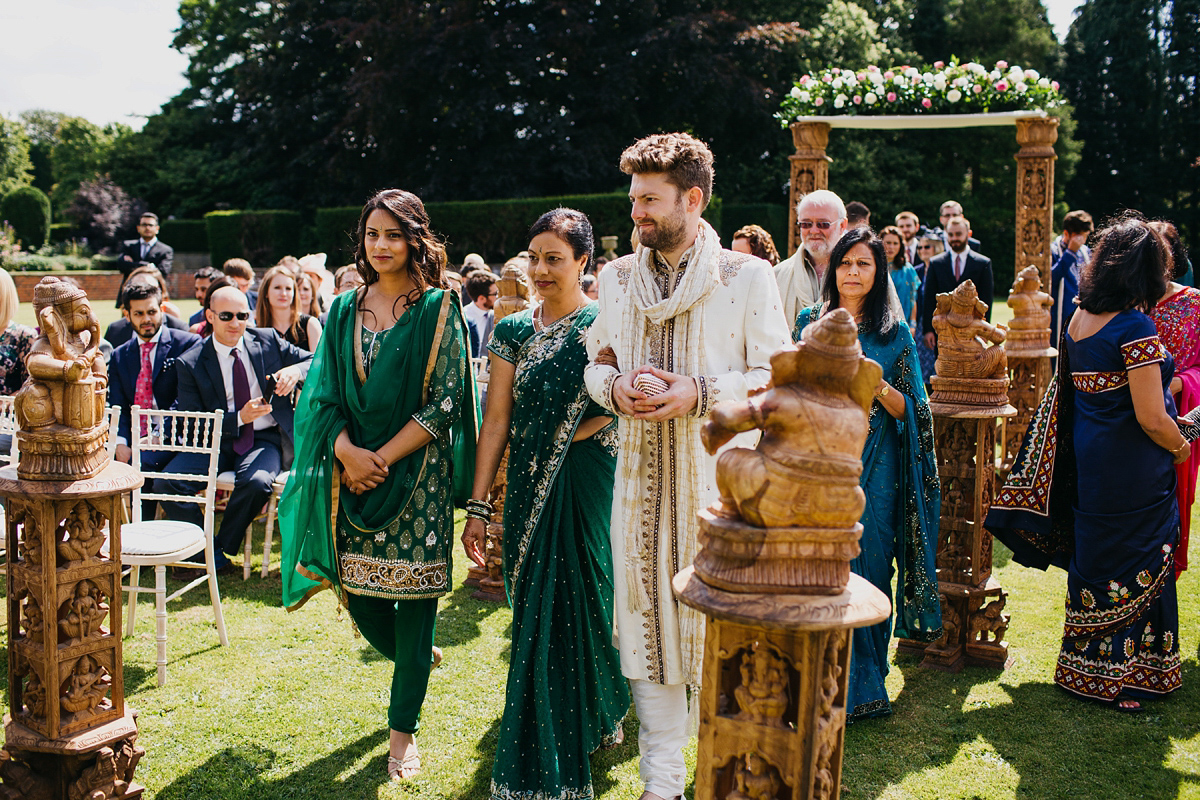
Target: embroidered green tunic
395, 540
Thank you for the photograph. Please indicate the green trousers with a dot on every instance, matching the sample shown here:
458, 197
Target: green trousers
403, 632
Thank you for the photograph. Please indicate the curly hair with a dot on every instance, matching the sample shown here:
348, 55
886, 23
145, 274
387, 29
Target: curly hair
1129, 267
426, 254
877, 315
685, 160
761, 243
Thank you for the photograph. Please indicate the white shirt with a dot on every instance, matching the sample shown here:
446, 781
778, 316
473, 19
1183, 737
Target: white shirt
148, 246
225, 359
475, 314
965, 255
911, 249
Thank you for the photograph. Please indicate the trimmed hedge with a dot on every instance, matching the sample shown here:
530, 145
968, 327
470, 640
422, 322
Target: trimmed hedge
28, 210
61, 232
496, 229
772, 216
185, 235
260, 237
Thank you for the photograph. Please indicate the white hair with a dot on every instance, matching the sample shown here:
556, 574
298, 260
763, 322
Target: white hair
825, 198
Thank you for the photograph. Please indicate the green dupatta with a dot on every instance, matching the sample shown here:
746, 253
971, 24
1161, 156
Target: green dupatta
373, 409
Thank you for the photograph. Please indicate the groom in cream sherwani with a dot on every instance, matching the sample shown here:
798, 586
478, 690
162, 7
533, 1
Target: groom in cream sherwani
705, 321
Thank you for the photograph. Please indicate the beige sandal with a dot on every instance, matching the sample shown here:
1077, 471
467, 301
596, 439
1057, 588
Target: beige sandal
403, 769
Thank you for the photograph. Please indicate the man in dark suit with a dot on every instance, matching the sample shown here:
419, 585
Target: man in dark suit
248, 373
145, 250
951, 268
142, 371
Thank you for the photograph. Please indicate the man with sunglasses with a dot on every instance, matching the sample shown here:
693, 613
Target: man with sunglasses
248, 373
821, 218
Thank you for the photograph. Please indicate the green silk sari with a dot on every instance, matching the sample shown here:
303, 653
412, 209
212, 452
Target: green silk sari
395, 540
566, 695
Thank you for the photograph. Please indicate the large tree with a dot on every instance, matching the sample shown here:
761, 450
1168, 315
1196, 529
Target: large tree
16, 170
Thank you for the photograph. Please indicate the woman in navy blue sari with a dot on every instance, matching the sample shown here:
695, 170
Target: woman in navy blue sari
1104, 442
899, 478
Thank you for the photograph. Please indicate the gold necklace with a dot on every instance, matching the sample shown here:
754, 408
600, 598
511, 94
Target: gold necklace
539, 322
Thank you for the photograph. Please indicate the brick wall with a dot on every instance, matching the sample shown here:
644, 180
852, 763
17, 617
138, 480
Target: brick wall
103, 285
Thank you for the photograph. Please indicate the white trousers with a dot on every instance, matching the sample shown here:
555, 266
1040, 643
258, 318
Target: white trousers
663, 712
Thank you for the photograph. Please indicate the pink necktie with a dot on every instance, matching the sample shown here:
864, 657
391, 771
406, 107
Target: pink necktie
958, 268
143, 392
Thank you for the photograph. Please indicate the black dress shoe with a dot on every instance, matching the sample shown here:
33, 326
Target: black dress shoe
229, 568
185, 573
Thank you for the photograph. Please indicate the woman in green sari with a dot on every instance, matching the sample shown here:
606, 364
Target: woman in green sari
566, 696
385, 439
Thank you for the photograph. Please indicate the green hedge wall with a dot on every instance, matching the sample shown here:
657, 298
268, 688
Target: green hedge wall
61, 232
260, 237
185, 235
772, 216
496, 229
28, 210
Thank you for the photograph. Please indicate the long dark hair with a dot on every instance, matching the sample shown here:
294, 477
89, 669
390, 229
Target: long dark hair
1129, 267
900, 260
426, 255
572, 226
877, 314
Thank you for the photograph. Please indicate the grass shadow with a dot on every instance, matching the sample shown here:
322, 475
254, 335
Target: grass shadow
460, 618
244, 772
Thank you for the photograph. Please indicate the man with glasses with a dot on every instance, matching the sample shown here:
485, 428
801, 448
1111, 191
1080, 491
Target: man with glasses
248, 373
146, 249
821, 218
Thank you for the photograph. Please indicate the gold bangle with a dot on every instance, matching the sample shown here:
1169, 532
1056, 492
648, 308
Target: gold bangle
1175, 452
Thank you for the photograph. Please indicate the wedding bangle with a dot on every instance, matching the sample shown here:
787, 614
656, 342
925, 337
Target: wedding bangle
474, 513
1175, 452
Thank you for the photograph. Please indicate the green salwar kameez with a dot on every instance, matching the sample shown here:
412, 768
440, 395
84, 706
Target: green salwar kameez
566, 695
388, 555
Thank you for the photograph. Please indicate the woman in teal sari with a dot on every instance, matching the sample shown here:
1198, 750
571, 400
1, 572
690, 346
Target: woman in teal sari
566, 696
900, 521
385, 437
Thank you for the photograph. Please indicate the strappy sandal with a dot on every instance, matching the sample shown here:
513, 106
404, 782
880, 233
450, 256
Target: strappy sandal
1124, 704
397, 767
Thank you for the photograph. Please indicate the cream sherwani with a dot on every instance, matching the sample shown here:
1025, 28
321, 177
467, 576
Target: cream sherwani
743, 324
799, 285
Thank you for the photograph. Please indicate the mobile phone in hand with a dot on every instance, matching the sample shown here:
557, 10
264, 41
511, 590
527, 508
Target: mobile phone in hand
1189, 424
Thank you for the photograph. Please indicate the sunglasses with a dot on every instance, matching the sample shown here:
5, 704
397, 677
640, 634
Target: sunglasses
226, 316
824, 225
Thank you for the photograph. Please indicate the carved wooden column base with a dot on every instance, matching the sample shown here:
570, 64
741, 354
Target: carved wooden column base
97, 763
773, 692
491, 585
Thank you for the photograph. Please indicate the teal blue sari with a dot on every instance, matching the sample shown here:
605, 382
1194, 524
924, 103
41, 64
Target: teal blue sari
900, 521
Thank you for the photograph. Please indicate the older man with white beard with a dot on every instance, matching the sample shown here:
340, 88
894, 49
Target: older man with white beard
821, 216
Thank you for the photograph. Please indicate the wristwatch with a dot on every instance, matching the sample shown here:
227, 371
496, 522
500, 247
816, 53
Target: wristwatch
884, 391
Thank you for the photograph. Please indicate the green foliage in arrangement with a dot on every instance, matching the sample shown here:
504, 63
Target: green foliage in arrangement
185, 235
260, 237
496, 229
28, 210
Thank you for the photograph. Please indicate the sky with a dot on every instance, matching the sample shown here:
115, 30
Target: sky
110, 62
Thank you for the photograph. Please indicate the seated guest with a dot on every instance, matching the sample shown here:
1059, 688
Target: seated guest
857, 215
591, 287
203, 278
241, 274
482, 289
313, 265
308, 300
248, 373
15, 339
121, 330
152, 272
280, 310
202, 328
1068, 254
142, 371
755, 240
346, 278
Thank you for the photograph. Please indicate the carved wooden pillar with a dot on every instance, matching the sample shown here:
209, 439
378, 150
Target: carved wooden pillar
810, 170
1035, 192
773, 693
972, 599
69, 728
1029, 353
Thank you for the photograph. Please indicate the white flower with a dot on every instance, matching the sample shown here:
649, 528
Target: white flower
849, 79
1044, 83
1032, 74
1022, 87
804, 97
976, 67
927, 77
939, 83
870, 98
995, 75
954, 95
839, 101
796, 92
876, 78
961, 81
837, 83
911, 72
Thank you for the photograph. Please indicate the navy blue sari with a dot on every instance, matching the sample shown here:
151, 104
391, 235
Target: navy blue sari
1092, 493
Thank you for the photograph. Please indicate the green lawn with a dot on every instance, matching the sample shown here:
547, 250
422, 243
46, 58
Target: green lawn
295, 708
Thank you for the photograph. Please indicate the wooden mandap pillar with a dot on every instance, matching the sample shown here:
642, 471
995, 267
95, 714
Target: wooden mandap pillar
810, 170
1029, 355
1035, 192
